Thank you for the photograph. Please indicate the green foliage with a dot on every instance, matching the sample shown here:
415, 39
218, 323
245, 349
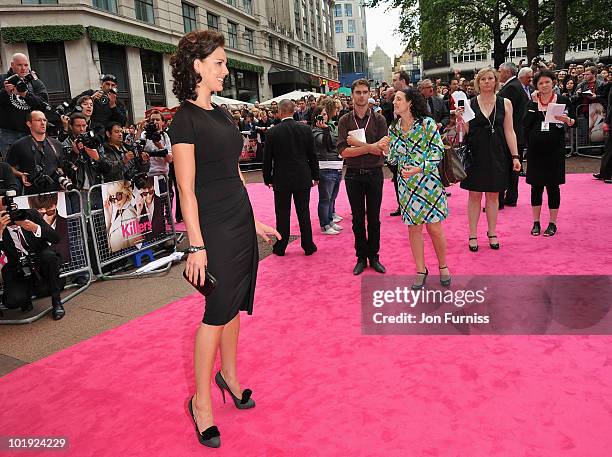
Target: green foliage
42, 33
240, 65
126, 39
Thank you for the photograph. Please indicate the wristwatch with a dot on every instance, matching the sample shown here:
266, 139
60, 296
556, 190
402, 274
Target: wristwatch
194, 249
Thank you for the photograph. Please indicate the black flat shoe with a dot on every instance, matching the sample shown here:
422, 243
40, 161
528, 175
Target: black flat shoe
58, 310
493, 245
472, 248
597, 176
209, 437
445, 280
535, 231
359, 267
419, 283
395, 213
310, 251
378, 267
246, 402
550, 230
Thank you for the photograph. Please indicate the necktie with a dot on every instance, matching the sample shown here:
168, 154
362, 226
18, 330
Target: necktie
22, 240
527, 91
430, 104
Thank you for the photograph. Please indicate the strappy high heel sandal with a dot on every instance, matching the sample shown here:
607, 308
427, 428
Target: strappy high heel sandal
445, 280
419, 283
473, 248
492, 245
535, 231
550, 230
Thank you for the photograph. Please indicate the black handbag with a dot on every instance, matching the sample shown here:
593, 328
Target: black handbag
210, 282
451, 168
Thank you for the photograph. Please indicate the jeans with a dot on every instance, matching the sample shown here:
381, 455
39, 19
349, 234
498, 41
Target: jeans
365, 190
7, 138
329, 184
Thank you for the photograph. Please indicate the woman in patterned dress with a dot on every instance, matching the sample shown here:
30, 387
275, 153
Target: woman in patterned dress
416, 147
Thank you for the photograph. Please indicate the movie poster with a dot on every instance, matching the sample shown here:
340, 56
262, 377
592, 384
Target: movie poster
52, 208
249, 149
597, 118
133, 216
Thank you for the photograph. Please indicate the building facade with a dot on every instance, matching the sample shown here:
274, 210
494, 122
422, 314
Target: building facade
409, 62
351, 41
71, 43
381, 67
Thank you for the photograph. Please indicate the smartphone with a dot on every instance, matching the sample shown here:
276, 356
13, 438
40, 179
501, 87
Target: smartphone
460, 103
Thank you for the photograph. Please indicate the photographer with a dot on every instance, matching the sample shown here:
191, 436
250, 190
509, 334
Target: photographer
35, 158
7, 178
84, 106
118, 157
32, 265
157, 144
20, 93
106, 106
82, 154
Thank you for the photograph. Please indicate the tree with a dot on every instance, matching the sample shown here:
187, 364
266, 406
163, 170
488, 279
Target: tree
561, 27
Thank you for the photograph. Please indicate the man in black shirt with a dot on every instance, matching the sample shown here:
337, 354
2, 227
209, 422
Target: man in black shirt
35, 158
117, 158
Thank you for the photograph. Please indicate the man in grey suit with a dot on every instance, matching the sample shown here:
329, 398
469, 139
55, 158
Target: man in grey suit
436, 106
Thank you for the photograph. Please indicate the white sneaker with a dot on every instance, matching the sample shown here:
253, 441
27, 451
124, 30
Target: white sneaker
335, 226
328, 230
336, 218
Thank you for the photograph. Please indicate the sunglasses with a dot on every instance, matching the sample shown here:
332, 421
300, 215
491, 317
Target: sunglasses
47, 212
149, 192
117, 197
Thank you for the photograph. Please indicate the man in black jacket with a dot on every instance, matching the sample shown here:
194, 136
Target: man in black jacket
17, 99
436, 106
291, 168
513, 90
23, 240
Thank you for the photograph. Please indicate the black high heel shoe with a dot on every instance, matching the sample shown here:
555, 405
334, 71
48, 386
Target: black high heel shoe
535, 231
417, 285
473, 248
492, 245
246, 402
550, 230
445, 281
209, 437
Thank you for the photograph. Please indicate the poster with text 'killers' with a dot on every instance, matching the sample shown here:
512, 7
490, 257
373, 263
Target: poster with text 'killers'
133, 215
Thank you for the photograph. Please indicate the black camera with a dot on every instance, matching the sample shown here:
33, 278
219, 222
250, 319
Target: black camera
62, 180
104, 98
28, 265
151, 132
40, 180
15, 214
89, 139
135, 176
319, 118
63, 109
21, 84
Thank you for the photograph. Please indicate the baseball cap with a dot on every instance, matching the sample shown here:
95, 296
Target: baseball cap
109, 77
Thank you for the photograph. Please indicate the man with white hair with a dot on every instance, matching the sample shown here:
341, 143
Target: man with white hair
525, 76
21, 92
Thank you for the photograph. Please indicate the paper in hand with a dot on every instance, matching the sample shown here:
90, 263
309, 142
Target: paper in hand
468, 113
552, 110
359, 135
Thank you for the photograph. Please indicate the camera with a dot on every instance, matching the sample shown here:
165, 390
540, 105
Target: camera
63, 109
21, 84
319, 118
14, 213
104, 98
62, 180
89, 139
151, 132
43, 182
28, 265
132, 173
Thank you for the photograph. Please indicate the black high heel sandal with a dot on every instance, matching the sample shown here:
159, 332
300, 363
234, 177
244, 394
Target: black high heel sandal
550, 230
246, 402
420, 285
535, 231
473, 248
209, 437
492, 245
447, 280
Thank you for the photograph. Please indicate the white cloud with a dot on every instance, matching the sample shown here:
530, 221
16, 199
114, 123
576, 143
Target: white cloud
381, 24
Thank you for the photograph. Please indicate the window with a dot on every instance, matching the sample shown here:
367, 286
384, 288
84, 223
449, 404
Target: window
49, 62
351, 26
474, 56
248, 6
271, 46
113, 61
39, 2
289, 55
348, 10
586, 46
337, 10
144, 11
212, 21
350, 41
248, 38
108, 5
231, 2
232, 35
189, 17
153, 78
280, 51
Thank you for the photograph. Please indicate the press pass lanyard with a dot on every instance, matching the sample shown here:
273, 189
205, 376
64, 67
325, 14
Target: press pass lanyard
365, 129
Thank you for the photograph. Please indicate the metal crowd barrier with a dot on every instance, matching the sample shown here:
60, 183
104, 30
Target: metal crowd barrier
589, 138
111, 250
78, 265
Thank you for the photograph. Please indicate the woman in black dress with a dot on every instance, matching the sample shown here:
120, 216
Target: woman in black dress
219, 219
546, 150
492, 142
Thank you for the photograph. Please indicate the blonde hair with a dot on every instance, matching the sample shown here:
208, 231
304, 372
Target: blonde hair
121, 186
481, 73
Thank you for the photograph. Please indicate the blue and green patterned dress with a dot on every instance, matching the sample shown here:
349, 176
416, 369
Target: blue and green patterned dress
422, 196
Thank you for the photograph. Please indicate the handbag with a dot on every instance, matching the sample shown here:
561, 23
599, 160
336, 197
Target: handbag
451, 167
210, 282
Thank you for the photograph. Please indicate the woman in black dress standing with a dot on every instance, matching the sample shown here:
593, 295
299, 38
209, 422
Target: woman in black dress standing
546, 150
492, 142
218, 216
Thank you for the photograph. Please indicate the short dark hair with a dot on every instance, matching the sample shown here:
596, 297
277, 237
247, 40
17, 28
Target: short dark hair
83, 99
403, 74
545, 73
75, 116
110, 125
360, 82
194, 45
42, 201
156, 111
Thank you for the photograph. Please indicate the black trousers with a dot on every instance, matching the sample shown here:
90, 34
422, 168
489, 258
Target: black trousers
511, 194
18, 291
282, 207
365, 189
605, 170
393, 169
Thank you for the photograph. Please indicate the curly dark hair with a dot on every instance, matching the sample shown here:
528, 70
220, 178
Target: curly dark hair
194, 45
544, 74
419, 105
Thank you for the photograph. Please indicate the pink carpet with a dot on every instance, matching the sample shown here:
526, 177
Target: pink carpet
323, 389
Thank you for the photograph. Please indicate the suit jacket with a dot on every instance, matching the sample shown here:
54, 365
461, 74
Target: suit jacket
158, 224
34, 244
440, 111
513, 91
290, 162
62, 247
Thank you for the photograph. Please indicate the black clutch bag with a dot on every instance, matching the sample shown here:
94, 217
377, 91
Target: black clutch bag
210, 283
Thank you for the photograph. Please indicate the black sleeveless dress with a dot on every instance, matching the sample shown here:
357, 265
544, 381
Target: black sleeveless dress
226, 215
491, 164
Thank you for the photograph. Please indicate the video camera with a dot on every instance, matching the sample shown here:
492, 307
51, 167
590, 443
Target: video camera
13, 211
21, 84
151, 132
104, 98
43, 182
